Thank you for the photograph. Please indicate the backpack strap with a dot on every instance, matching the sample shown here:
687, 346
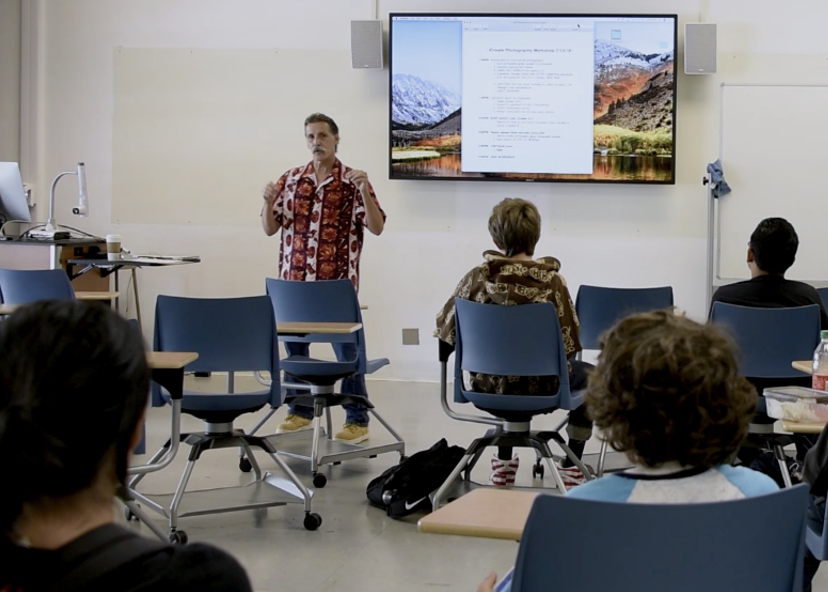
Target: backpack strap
100, 552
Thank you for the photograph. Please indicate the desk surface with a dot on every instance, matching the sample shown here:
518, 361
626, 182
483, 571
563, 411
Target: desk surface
170, 360
301, 328
484, 512
74, 242
132, 262
103, 295
802, 366
802, 428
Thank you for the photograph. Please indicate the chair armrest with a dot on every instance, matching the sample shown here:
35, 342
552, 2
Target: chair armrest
445, 350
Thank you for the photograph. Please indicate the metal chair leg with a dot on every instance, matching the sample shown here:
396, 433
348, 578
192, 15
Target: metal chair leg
247, 451
782, 459
329, 422
602, 457
578, 462
437, 500
179, 494
547, 455
142, 517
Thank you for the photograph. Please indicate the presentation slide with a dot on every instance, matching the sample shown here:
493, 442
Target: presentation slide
527, 101
533, 97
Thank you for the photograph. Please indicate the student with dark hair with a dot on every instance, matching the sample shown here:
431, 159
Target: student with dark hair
73, 389
510, 276
771, 252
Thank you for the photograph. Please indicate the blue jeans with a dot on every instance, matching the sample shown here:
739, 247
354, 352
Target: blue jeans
352, 385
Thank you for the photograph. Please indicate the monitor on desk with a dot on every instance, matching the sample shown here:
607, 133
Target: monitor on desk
13, 204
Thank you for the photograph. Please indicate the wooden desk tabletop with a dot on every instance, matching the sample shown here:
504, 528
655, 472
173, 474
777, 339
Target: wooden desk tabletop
802, 366
300, 328
484, 512
103, 295
802, 428
170, 360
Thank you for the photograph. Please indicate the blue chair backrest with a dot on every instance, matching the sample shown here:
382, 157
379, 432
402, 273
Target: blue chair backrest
751, 544
823, 293
332, 301
601, 308
26, 286
770, 338
229, 335
502, 340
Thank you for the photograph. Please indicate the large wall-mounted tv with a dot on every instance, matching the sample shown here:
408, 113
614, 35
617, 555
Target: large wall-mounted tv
533, 97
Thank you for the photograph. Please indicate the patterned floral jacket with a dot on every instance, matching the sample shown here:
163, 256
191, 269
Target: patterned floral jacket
501, 280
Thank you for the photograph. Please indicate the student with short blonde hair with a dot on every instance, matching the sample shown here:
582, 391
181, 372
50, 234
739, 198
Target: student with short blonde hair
512, 276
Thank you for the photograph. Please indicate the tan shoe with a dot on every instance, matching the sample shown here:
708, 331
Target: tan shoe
352, 433
294, 423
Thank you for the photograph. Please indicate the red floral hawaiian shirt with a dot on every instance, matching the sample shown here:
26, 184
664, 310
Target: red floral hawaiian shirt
322, 226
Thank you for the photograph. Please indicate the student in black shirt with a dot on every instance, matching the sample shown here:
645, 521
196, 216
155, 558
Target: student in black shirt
73, 388
771, 252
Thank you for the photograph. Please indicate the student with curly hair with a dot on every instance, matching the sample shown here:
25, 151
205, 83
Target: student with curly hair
667, 392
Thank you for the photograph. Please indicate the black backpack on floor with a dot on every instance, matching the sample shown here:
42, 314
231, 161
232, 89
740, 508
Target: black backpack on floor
404, 489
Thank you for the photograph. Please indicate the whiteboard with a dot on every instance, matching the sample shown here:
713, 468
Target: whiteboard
198, 133
773, 151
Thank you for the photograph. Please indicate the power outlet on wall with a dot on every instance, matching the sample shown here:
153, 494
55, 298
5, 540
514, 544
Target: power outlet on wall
411, 336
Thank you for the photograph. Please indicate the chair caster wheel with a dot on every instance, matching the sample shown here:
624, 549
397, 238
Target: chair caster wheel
259, 516
129, 515
538, 471
337, 463
373, 456
312, 521
245, 466
178, 537
319, 480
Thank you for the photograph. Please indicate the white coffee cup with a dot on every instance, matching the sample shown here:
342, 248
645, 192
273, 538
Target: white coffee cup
113, 247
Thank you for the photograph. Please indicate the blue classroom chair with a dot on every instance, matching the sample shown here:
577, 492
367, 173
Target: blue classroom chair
753, 544
520, 340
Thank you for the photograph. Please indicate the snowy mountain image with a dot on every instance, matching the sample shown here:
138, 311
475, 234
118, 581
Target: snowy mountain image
622, 77
418, 102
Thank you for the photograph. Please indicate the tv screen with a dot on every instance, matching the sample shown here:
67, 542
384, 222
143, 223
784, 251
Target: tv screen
533, 97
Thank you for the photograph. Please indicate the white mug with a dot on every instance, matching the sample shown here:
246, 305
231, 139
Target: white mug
113, 247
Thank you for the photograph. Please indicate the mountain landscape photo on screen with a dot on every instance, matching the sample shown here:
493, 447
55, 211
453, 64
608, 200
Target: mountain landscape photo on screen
633, 104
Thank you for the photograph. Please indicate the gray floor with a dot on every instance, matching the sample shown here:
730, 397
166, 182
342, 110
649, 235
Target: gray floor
357, 548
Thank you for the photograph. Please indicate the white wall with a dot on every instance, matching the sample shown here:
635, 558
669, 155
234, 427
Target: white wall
626, 236
10, 80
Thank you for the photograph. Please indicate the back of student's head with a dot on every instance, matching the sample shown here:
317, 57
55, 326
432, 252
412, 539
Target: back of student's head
774, 244
73, 386
515, 226
667, 389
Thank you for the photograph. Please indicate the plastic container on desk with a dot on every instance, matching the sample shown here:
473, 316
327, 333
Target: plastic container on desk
797, 403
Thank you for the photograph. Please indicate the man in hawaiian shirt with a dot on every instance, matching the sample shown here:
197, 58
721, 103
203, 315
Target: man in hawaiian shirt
322, 209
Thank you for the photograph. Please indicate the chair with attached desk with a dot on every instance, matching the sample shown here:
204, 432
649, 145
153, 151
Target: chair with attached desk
769, 338
599, 308
230, 335
823, 293
677, 547
520, 340
333, 302
26, 286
